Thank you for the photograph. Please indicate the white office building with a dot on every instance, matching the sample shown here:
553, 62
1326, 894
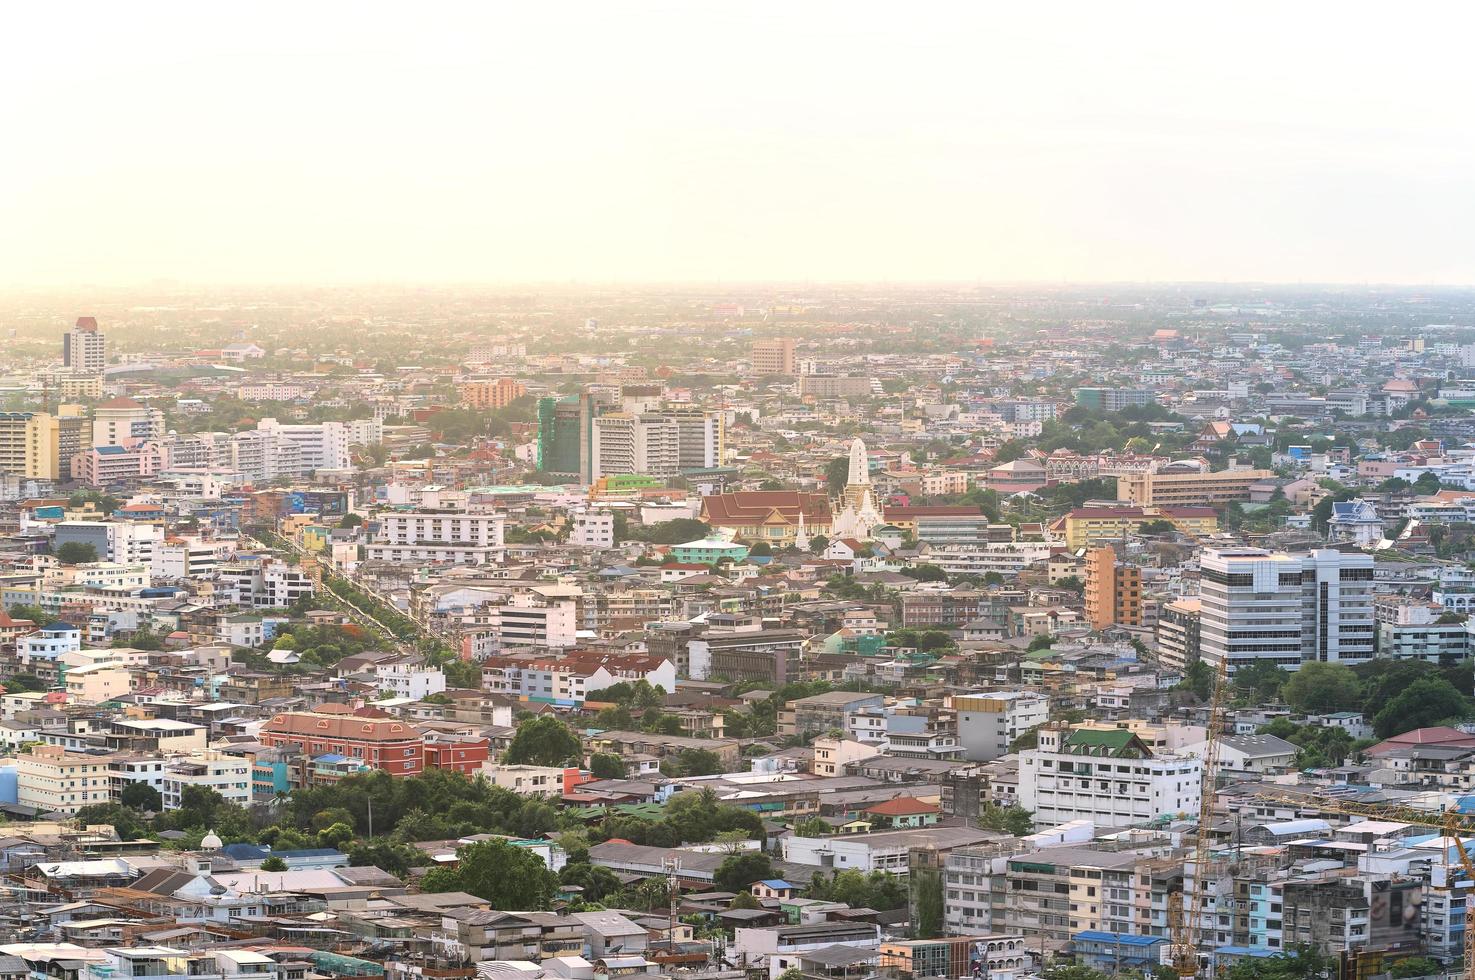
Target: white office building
1106, 775
324, 445
1287, 609
423, 536
989, 722
593, 529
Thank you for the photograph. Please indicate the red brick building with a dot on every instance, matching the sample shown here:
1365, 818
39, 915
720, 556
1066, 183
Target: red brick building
378, 742
463, 753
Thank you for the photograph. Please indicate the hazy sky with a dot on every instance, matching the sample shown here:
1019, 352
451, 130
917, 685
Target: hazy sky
495, 142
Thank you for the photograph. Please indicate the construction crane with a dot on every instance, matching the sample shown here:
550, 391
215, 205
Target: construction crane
1185, 923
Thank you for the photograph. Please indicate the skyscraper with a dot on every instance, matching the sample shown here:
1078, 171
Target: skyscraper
84, 347
1285, 609
1113, 591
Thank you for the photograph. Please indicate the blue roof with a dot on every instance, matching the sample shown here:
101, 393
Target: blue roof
776, 883
110, 450
1121, 938
330, 757
59, 627
1249, 951
246, 851
313, 852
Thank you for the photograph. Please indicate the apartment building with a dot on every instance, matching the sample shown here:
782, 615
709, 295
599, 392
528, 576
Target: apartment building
41, 446
120, 421
228, 775
1113, 591
989, 722
379, 743
484, 393
824, 712
1108, 776
1286, 609
322, 445
1410, 629
1178, 633
775, 356
122, 542
427, 536
1089, 527
84, 348
54, 780
265, 583
1191, 488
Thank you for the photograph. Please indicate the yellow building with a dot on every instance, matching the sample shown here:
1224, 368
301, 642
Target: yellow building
1191, 489
772, 516
1088, 527
39, 445
56, 781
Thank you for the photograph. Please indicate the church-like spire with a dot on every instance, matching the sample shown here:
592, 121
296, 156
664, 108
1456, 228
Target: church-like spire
860, 466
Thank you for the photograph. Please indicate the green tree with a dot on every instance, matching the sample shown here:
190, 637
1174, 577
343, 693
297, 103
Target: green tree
1300, 962
505, 876
812, 827
464, 674
33, 614
1426, 702
1319, 687
744, 900
124, 820
141, 796
837, 474
1415, 966
1262, 682
607, 765
1014, 820
737, 872
544, 741
926, 884
273, 863
818, 544
76, 553
386, 855
1072, 972
335, 836
350, 520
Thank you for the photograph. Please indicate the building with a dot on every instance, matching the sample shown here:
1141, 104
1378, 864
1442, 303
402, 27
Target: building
657, 443
84, 348
1409, 629
41, 446
593, 529
566, 436
1088, 527
1285, 609
820, 713
1354, 521
958, 956
228, 775
487, 394
774, 356
319, 445
1106, 775
1177, 633
772, 516
831, 386
1113, 591
1192, 488
368, 742
746, 653
988, 723
1113, 399
406, 679
121, 542
54, 780
429, 536
120, 465
121, 421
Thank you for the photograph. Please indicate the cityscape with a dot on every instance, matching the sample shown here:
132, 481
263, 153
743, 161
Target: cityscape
689, 492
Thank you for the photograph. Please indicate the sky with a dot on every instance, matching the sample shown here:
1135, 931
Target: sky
486, 142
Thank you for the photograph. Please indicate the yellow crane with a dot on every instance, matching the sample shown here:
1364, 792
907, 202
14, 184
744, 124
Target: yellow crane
1185, 923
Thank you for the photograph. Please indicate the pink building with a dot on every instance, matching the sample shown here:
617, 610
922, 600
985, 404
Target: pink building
105, 466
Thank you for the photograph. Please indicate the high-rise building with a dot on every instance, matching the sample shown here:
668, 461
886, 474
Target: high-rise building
660, 443
566, 436
774, 356
485, 393
1113, 591
120, 420
1285, 609
324, 445
40, 445
84, 348
1177, 633
1113, 399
